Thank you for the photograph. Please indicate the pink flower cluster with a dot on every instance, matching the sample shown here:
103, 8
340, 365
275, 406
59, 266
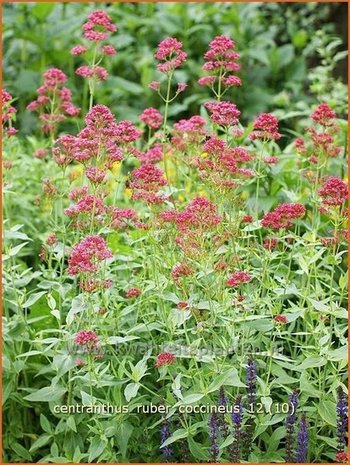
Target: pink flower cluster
221, 61
133, 292
8, 113
323, 115
87, 339
102, 139
153, 155
170, 55
199, 216
123, 217
96, 29
223, 113
334, 191
265, 128
164, 359
181, 270
54, 102
151, 117
282, 216
238, 278
87, 255
224, 168
147, 180
188, 132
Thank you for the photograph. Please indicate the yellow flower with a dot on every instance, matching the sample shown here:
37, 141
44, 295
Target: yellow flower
128, 193
76, 172
116, 167
204, 155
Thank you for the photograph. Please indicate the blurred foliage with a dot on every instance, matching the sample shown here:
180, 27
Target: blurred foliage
278, 43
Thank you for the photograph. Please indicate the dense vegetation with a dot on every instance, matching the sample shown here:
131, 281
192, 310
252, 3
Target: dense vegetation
174, 233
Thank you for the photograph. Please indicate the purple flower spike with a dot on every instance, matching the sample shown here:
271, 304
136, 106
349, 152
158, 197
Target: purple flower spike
293, 401
302, 441
165, 434
213, 435
342, 420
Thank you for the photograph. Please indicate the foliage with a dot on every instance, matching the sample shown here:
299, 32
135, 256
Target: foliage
176, 264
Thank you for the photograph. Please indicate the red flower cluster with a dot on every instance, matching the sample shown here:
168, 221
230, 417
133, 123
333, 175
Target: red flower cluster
342, 457
151, 117
153, 155
96, 29
181, 270
87, 254
54, 102
282, 216
223, 169
122, 217
170, 55
323, 115
200, 214
221, 60
98, 26
281, 319
188, 132
238, 278
102, 136
87, 339
8, 113
334, 191
133, 292
223, 113
146, 183
95, 175
265, 128
164, 359
93, 284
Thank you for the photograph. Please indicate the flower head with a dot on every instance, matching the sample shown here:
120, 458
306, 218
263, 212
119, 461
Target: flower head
152, 118
238, 278
86, 339
87, 254
98, 26
282, 216
223, 113
133, 292
265, 127
323, 115
334, 191
170, 55
164, 359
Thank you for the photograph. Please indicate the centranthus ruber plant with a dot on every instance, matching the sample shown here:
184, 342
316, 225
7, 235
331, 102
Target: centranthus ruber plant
178, 292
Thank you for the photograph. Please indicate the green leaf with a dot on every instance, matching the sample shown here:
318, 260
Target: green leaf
327, 411
122, 437
42, 10
45, 424
33, 298
312, 362
338, 354
15, 250
197, 450
192, 398
131, 391
47, 394
21, 451
40, 442
179, 434
126, 86
71, 423
318, 305
96, 448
